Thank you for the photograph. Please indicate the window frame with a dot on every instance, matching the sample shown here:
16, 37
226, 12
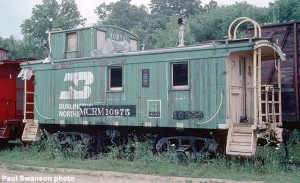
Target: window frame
180, 87
74, 46
101, 39
133, 44
3, 55
115, 89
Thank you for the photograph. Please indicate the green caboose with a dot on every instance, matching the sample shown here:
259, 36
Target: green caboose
97, 79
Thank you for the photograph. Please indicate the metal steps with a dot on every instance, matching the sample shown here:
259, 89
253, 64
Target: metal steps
241, 140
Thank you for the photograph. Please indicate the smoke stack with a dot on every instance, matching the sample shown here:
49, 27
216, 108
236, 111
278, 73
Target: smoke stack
181, 32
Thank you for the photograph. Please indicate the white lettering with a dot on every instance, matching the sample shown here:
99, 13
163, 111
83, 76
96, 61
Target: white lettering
69, 106
69, 113
127, 112
5, 178
102, 111
64, 179
75, 77
23, 178
35, 179
117, 37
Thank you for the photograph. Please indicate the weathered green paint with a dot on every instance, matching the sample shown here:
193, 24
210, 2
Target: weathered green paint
86, 40
207, 81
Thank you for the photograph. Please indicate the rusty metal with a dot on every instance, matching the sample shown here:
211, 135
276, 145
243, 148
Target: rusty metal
187, 144
296, 77
287, 34
271, 75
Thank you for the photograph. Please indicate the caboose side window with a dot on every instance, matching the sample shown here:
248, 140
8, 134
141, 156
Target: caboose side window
115, 78
72, 41
100, 39
180, 75
3, 56
133, 45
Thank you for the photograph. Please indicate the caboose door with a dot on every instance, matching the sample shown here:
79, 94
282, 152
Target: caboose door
237, 89
6, 93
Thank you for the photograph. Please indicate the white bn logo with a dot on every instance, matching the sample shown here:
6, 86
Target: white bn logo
88, 79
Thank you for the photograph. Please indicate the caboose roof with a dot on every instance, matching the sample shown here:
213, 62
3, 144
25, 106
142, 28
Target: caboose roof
215, 44
4, 49
95, 26
213, 49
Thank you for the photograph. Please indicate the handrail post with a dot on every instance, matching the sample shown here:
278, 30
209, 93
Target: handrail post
254, 87
24, 101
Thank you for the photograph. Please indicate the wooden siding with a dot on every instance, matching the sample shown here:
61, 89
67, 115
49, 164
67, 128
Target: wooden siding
207, 85
288, 40
86, 41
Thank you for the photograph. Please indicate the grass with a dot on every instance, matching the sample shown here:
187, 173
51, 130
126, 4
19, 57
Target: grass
267, 167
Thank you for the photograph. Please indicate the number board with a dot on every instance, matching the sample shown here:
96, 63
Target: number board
108, 110
183, 115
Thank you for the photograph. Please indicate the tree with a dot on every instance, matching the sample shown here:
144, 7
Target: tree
214, 24
12, 45
17, 48
285, 10
169, 36
162, 10
122, 14
47, 16
160, 38
180, 8
210, 6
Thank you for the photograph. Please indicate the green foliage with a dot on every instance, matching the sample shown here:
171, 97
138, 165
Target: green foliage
208, 22
293, 146
295, 138
47, 16
156, 27
163, 11
210, 6
285, 10
49, 148
214, 24
12, 45
122, 14
266, 166
181, 8
18, 48
168, 37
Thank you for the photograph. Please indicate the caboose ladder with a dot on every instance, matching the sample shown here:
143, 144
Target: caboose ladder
31, 130
241, 140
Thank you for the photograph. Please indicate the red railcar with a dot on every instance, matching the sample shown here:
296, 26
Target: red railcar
11, 98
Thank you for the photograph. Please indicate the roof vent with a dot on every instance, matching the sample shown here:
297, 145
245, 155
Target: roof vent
181, 32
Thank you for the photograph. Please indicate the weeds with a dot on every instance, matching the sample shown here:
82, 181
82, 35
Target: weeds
50, 148
137, 157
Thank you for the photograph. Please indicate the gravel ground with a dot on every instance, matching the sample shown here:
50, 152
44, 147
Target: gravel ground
42, 174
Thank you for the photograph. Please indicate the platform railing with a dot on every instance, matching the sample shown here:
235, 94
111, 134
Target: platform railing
270, 104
